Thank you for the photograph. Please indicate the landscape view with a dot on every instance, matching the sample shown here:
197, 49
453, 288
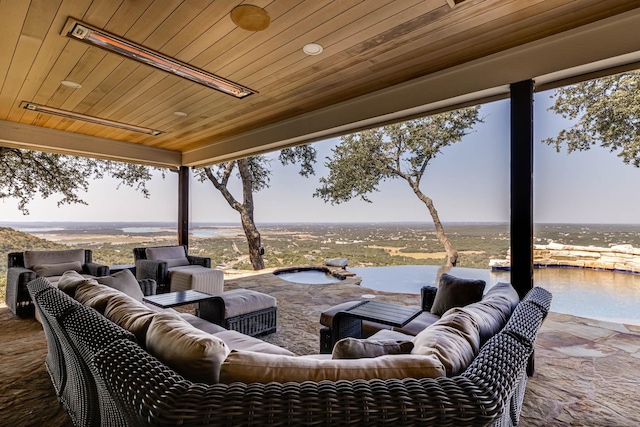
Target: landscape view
381, 244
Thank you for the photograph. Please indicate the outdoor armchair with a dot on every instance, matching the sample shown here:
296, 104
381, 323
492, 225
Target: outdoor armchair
26, 266
157, 262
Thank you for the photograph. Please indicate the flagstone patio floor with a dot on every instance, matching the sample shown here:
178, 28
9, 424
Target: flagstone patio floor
586, 370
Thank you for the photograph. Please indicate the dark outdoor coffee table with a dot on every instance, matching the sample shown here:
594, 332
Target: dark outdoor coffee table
348, 323
175, 299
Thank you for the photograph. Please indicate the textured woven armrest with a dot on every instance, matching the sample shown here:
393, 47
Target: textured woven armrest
428, 294
17, 296
149, 269
148, 286
95, 269
198, 260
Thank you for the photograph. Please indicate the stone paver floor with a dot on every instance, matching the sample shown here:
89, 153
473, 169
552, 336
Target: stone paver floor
586, 370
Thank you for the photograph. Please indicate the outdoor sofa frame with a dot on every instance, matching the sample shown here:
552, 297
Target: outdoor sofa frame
113, 381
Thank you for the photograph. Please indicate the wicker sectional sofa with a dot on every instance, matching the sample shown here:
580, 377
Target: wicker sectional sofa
111, 379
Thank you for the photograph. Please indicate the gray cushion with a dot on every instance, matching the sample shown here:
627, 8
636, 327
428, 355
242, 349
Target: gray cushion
125, 282
32, 258
503, 290
177, 262
46, 270
354, 348
164, 253
456, 292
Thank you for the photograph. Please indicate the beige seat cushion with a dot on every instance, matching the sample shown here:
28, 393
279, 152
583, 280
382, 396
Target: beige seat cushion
192, 353
197, 322
418, 324
454, 340
237, 341
354, 348
248, 367
130, 314
242, 301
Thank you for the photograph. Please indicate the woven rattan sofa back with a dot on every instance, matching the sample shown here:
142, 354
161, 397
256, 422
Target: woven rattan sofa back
489, 392
147, 392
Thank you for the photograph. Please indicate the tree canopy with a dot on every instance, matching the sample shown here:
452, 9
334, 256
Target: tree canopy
365, 159
607, 112
25, 173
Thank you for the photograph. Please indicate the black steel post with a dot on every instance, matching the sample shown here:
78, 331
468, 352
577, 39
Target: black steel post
522, 190
183, 205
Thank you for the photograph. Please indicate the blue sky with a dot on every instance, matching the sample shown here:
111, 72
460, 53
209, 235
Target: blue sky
469, 181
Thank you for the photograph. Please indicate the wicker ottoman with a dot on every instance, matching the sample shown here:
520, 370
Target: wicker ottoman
207, 280
249, 312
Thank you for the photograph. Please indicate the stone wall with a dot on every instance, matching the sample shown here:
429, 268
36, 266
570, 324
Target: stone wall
616, 258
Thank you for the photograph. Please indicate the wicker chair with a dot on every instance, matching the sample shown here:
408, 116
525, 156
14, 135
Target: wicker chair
18, 275
158, 270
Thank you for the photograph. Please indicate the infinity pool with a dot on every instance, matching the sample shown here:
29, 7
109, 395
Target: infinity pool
586, 293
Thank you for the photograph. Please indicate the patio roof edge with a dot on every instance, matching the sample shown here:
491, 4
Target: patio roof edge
609, 38
17, 135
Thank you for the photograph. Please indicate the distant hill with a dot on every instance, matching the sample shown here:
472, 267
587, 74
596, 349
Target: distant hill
17, 241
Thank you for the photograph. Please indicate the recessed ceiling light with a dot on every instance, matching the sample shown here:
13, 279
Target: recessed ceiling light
250, 17
312, 49
180, 113
69, 83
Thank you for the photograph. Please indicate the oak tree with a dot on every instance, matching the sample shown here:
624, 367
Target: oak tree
254, 174
398, 151
26, 173
606, 111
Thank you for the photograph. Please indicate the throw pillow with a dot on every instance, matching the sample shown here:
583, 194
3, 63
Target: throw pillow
125, 282
456, 292
46, 270
354, 348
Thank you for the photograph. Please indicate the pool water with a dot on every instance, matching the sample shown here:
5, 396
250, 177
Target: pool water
586, 293
308, 277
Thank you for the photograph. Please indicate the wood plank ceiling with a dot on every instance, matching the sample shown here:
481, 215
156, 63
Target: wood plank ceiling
368, 45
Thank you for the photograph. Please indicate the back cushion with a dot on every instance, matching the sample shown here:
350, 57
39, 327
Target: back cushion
32, 258
70, 281
95, 295
454, 340
125, 282
250, 367
489, 316
165, 252
131, 315
46, 270
503, 291
194, 354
